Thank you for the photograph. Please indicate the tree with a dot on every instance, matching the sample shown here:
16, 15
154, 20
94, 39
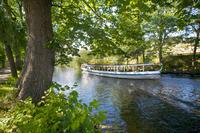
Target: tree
160, 25
36, 76
6, 34
20, 40
121, 28
2, 56
188, 12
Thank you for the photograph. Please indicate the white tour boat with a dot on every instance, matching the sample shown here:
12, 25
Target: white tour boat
132, 71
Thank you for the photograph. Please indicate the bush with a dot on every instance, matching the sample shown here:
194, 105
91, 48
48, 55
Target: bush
55, 113
180, 63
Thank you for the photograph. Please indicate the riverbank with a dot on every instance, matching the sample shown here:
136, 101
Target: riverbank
181, 64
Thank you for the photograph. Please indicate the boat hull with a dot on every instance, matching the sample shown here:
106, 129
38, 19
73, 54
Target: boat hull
125, 75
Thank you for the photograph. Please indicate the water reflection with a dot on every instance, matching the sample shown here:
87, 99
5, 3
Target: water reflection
170, 104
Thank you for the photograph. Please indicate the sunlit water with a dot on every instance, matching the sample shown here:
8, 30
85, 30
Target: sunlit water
170, 104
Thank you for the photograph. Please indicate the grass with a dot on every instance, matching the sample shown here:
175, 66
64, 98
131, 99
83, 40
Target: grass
4, 89
7, 95
7, 87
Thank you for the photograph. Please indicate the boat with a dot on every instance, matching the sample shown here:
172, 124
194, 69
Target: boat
130, 71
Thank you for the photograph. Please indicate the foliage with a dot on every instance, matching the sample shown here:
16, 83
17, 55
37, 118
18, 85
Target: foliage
74, 27
107, 60
8, 95
106, 27
84, 57
7, 98
160, 26
56, 112
189, 13
11, 81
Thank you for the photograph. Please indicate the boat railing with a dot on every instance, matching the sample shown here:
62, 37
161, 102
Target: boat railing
124, 68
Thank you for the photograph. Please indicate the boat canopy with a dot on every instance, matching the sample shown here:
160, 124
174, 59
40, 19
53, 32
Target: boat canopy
123, 68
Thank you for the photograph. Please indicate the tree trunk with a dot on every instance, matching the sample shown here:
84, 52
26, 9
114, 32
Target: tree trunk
160, 53
11, 61
127, 61
194, 52
37, 73
137, 59
143, 56
19, 61
3, 60
162, 37
18, 58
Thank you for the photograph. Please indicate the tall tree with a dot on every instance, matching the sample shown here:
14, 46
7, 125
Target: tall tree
189, 12
6, 34
160, 25
2, 56
37, 73
10, 57
19, 43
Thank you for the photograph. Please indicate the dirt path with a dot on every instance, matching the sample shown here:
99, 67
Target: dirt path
4, 74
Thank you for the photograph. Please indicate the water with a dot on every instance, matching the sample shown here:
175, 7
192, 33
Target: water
170, 104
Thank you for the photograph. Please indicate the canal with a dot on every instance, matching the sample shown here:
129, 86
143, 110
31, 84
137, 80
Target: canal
169, 104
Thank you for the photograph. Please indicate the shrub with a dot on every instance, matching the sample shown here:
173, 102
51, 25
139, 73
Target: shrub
55, 113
